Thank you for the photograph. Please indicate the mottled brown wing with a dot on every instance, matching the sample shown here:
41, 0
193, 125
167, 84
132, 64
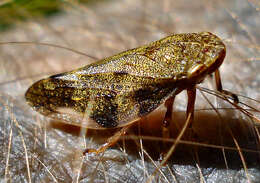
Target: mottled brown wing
99, 100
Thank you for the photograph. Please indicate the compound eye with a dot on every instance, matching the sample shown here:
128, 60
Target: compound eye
196, 70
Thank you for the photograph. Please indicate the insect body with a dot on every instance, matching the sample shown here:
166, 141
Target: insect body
121, 89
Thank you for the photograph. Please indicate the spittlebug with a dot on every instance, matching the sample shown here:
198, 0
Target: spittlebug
121, 89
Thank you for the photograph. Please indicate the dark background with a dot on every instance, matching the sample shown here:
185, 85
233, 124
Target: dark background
33, 149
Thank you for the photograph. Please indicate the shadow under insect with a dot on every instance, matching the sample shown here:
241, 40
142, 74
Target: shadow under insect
214, 136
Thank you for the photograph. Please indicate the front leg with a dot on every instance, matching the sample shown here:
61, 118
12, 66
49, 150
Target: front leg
220, 89
188, 123
168, 117
191, 92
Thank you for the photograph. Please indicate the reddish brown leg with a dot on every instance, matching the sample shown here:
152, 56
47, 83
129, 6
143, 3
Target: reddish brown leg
110, 142
168, 117
189, 120
166, 124
220, 89
191, 92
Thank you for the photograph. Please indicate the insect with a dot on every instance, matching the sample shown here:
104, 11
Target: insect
121, 89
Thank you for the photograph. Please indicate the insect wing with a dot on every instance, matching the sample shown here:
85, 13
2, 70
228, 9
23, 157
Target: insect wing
98, 100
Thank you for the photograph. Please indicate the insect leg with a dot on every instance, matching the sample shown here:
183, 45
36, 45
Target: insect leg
168, 117
166, 124
220, 89
110, 142
191, 92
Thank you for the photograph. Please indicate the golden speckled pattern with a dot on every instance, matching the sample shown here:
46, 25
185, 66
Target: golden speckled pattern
120, 89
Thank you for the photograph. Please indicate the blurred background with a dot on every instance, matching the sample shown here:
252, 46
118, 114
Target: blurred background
76, 33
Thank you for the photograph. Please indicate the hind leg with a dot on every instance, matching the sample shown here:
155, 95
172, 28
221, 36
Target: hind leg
110, 142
